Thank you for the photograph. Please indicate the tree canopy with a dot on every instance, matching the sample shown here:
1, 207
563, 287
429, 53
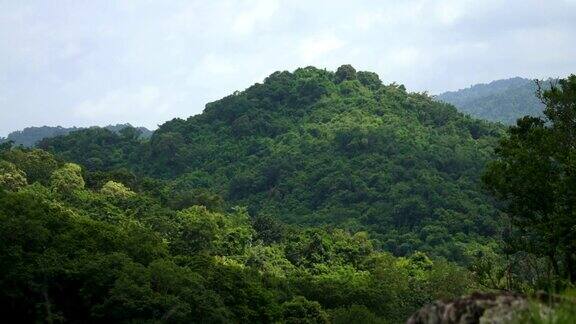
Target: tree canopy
312, 197
314, 147
535, 176
69, 253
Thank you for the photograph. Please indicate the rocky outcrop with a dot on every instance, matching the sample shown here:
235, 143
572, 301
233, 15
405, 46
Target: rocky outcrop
484, 308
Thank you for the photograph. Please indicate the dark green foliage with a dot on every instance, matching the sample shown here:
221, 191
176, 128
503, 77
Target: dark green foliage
344, 73
97, 149
105, 253
314, 147
499, 101
361, 201
355, 314
358, 199
299, 310
352, 153
268, 229
370, 80
534, 176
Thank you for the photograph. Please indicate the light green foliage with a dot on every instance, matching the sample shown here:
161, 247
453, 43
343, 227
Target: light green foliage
116, 190
202, 230
488, 266
418, 264
11, 178
560, 309
270, 261
37, 164
67, 179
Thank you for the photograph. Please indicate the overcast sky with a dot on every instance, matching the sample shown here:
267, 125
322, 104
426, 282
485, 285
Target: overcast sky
99, 62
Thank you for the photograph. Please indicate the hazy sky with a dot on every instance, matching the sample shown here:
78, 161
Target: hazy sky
144, 62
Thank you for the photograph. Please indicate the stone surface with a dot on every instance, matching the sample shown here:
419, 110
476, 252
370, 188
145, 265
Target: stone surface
484, 308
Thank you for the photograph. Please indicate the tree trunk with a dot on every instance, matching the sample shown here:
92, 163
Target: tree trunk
47, 306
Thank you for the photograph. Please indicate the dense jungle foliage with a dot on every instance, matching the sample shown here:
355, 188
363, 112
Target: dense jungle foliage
313, 197
71, 253
315, 147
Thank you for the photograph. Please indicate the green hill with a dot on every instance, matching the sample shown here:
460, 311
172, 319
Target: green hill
313, 197
30, 136
499, 101
314, 147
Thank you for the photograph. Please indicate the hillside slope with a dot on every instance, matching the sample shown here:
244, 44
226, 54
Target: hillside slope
30, 136
500, 101
315, 147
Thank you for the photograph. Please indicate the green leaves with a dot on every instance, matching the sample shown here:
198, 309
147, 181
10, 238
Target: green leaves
313, 147
300, 310
200, 230
149, 238
116, 190
11, 178
67, 179
38, 165
345, 72
97, 256
534, 177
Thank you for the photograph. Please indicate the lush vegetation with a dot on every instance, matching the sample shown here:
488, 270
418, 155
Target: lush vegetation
313, 197
535, 177
563, 312
318, 148
499, 101
76, 253
30, 136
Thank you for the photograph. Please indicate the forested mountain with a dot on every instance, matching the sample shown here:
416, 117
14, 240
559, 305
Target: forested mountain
500, 101
313, 197
30, 136
314, 147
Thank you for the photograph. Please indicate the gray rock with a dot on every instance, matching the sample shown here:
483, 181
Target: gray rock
482, 308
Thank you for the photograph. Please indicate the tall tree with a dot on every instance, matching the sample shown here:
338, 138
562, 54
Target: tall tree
535, 176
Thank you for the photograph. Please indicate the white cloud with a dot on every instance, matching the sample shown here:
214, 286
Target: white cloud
122, 103
403, 13
448, 12
257, 12
315, 47
366, 20
85, 63
405, 57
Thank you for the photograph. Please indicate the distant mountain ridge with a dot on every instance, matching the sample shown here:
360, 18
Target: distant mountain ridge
502, 101
30, 136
